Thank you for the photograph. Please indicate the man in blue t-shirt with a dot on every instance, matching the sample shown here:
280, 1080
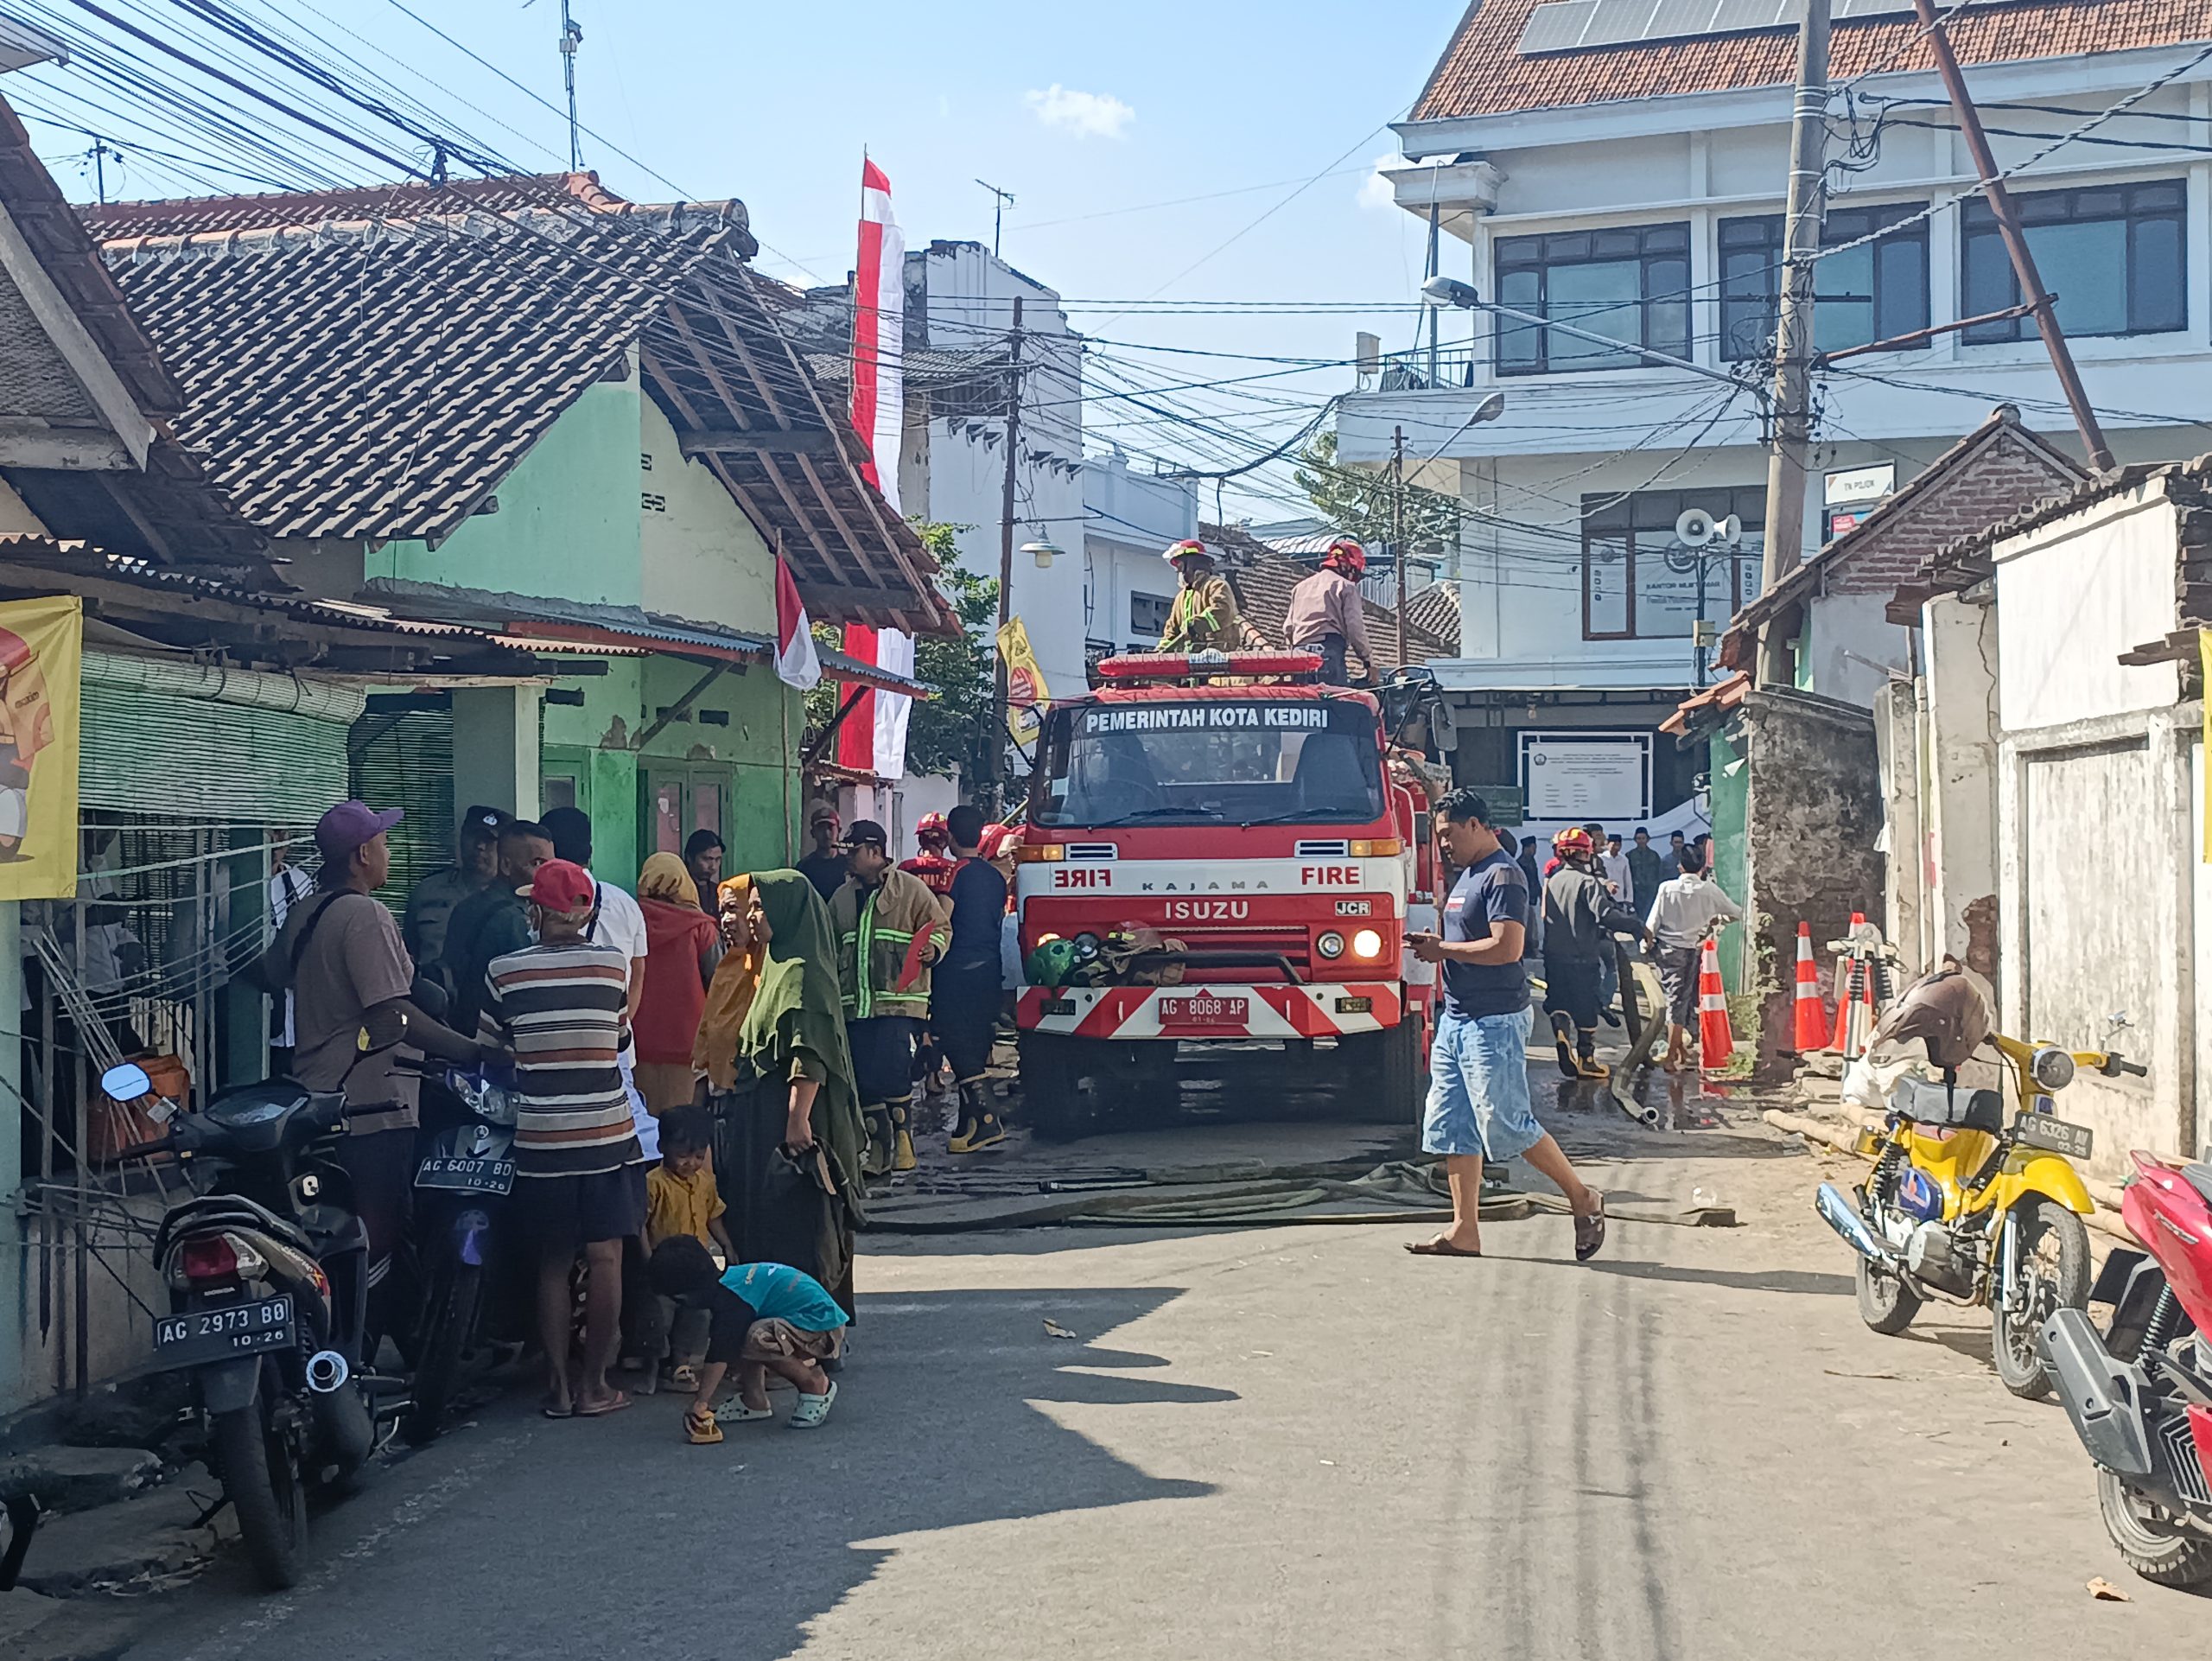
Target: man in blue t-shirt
1479, 1104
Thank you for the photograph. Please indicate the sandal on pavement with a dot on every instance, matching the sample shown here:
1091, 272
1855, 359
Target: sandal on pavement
734, 1411
684, 1380
1589, 1232
1440, 1248
615, 1403
700, 1429
812, 1409
553, 1409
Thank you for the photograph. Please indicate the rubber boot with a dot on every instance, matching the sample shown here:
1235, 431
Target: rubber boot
1563, 1041
1587, 1064
875, 1159
981, 1127
902, 1136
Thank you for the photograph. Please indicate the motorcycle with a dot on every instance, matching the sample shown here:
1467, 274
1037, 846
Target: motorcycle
2140, 1395
1965, 1206
267, 1277
466, 1173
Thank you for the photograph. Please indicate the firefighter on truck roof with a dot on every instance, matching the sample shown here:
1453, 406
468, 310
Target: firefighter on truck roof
1204, 617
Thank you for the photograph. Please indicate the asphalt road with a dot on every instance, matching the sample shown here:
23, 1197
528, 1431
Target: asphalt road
1277, 1442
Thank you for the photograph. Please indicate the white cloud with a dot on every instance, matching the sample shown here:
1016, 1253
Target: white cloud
1087, 115
1375, 190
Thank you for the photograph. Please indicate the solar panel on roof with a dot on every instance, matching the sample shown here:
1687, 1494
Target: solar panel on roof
1617, 22
1681, 18
1556, 27
1731, 15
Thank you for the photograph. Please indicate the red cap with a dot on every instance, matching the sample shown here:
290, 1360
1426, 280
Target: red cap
562, 885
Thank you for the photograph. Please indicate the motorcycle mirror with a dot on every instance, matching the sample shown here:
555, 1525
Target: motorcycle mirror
126, 1083
2117, 1021
386, 1028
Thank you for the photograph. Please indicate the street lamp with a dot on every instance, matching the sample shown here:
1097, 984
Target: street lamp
1043, 553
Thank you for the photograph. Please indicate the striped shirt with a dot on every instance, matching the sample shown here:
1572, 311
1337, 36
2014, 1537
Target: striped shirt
560, 1007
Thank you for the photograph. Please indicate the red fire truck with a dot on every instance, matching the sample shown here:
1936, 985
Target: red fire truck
1231, 855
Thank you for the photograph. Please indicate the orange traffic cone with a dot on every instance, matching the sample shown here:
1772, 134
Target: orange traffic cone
1812, 1019
1716, 1045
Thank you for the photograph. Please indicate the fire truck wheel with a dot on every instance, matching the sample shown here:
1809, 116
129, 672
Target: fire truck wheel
1386, 1073
1054, 1099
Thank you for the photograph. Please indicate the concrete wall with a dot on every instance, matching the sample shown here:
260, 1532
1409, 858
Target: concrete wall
702, 558
1813, 819
567, 523
1958, 782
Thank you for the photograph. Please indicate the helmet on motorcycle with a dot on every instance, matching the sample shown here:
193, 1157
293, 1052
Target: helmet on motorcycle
1573, 842
1350, 554
1190, 547
933, 832
1946, 1009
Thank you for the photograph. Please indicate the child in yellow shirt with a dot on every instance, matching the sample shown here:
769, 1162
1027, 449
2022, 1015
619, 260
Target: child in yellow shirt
681, 1198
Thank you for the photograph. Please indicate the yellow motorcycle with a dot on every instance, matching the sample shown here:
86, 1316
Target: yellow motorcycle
1965, 1206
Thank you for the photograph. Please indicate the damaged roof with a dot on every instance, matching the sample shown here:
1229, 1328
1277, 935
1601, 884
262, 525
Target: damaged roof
1263, 580
371, 364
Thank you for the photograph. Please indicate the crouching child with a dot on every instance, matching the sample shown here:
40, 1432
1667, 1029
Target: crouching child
762, 1318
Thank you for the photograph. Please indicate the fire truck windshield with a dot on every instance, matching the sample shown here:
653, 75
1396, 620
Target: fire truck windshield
1218, 761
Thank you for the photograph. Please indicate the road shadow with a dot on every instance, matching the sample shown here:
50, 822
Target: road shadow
610, 1536
1799, 1281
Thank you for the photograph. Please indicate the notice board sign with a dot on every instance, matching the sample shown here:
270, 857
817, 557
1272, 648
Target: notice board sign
1576, 776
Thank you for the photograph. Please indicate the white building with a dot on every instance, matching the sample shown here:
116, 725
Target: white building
1622, 168
1131, 519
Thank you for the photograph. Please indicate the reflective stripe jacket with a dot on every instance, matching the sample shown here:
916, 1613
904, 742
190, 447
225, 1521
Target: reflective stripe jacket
876, 931
1205, 618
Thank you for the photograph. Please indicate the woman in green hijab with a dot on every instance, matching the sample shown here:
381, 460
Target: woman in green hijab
788, 1128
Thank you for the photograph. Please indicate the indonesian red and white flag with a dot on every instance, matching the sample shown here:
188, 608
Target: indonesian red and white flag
878, 334
874, 737
796, 661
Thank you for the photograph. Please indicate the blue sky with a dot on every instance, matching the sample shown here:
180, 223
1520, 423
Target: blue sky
1081, 112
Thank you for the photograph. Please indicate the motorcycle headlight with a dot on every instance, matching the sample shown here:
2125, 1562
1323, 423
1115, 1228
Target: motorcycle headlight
2052, 1069
1330, 944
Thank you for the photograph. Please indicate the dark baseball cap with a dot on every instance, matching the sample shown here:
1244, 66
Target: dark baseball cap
485, 823
866, 830
348, 826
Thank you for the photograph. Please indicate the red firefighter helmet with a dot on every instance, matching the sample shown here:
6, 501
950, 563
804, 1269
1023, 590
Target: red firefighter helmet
1349, 554
933, 831
1573, 842
1177, 552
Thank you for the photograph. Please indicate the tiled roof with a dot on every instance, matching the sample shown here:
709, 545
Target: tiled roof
1714, 701
1434, 611
1264, 579
376, 376
1483, 71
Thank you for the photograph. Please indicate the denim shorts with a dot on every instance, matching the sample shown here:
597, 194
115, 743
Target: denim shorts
1479, 1087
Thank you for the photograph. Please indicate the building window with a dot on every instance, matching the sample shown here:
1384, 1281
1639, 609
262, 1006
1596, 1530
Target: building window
1630, 284
1148, 615
2112, 255
1873, 292
1640, 582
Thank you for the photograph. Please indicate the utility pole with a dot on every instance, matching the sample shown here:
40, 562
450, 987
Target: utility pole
1398, 531
571, 38
1793, 333
1005, 200
998, 739
2016, 241
100, 151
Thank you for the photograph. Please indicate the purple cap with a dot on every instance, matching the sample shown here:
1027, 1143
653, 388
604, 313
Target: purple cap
349, 825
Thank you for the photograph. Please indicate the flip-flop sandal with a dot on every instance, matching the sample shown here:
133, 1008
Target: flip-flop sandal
557, 1409
701, 1430
1439, 1249
685, 1379
1589, 1232
621, 1400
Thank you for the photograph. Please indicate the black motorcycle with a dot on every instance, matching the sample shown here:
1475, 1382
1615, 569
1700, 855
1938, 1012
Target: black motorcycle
461, 1182
267, 1277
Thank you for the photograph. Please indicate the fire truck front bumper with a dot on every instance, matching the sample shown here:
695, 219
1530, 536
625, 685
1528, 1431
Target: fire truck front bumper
1326, 1010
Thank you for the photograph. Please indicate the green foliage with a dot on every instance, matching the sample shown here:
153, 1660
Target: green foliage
954, 728
1358, 501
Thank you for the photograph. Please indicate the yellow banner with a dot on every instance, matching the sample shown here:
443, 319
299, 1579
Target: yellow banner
42, 650
1026, 699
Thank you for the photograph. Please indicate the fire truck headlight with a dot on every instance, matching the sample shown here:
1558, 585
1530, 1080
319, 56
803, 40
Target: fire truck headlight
1330, 945
1367, 943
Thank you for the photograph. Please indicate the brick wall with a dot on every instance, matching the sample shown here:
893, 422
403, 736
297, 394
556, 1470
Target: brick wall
1994, 483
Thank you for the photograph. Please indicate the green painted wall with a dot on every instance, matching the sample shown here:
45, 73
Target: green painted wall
567, 519
1730, 799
